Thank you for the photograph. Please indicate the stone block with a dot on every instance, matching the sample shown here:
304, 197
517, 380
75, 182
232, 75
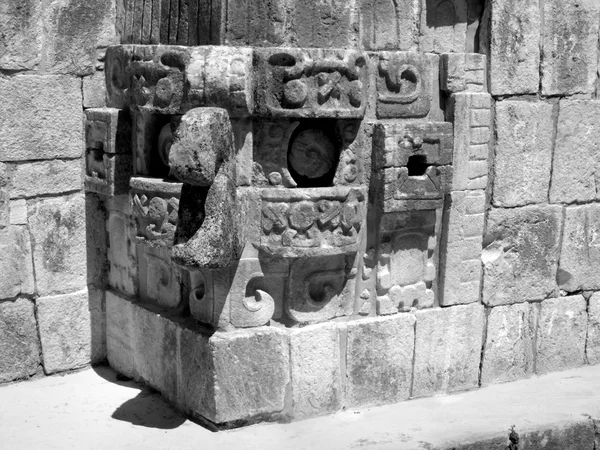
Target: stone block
230, 394
120, 348
45, 177
575, 176
523, 153
443, 26
73, 30
580, 250
160, 281
22, 29
96, 238
569, 47
155, 350
19, 344
317, 24
310, 83
386, 25
520, 255
509, 352
316, 370
4, 196
513, 34
561, 334
15, 262
108, 130
24, 136
592, 346
447, 349
94, 90
379, 360
65, 331
472, 129
320, 288
122, 254
404, 83
97, 306
460, 267
57, 227
18, 212
463, 72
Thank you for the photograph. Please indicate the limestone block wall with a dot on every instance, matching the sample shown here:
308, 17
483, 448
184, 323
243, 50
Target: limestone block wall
540, 249
51, 271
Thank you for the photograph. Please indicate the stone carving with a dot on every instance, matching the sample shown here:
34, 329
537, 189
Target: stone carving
321, 288
303, 83
404, 87
155, 206
108, 156
307, 222
463, 72
389, 24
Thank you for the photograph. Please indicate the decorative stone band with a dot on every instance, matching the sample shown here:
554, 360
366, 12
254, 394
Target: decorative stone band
312, 221
285, 82
155, 205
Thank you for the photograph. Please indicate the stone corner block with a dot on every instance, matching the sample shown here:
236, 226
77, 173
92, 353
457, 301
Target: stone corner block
447, 349
65, 331
561, 334
120, 349
316, 369
520, 255
379, 358
19, 344
592, 347
509, 352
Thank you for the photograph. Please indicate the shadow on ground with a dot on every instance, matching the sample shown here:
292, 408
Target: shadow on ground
146, 409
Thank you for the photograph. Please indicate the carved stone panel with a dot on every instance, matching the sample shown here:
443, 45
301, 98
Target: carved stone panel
463, 72
404, 84
304, 83
407, 260
321, 288
155, 205
108, 151
313, 221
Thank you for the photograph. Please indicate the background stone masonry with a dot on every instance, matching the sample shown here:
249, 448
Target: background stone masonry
541, 248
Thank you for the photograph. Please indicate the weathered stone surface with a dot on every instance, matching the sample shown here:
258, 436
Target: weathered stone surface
509, 352
576, 167
155, 350
386, 25
263, 353
65, 331
513, 33
15, 262
472, 130
561, 334
592, 347
523, 153
316, 370
96, 241
22, 34
24, 135
120, 349
379, 360
580, 251
443, 26
447, 349
463, 72
460, 256
97, 306
57, 228
45, 177
19, 344
520, 255
122, 254
94, 90
18, 212
4, 196
569, 46
74, 28
316, 24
